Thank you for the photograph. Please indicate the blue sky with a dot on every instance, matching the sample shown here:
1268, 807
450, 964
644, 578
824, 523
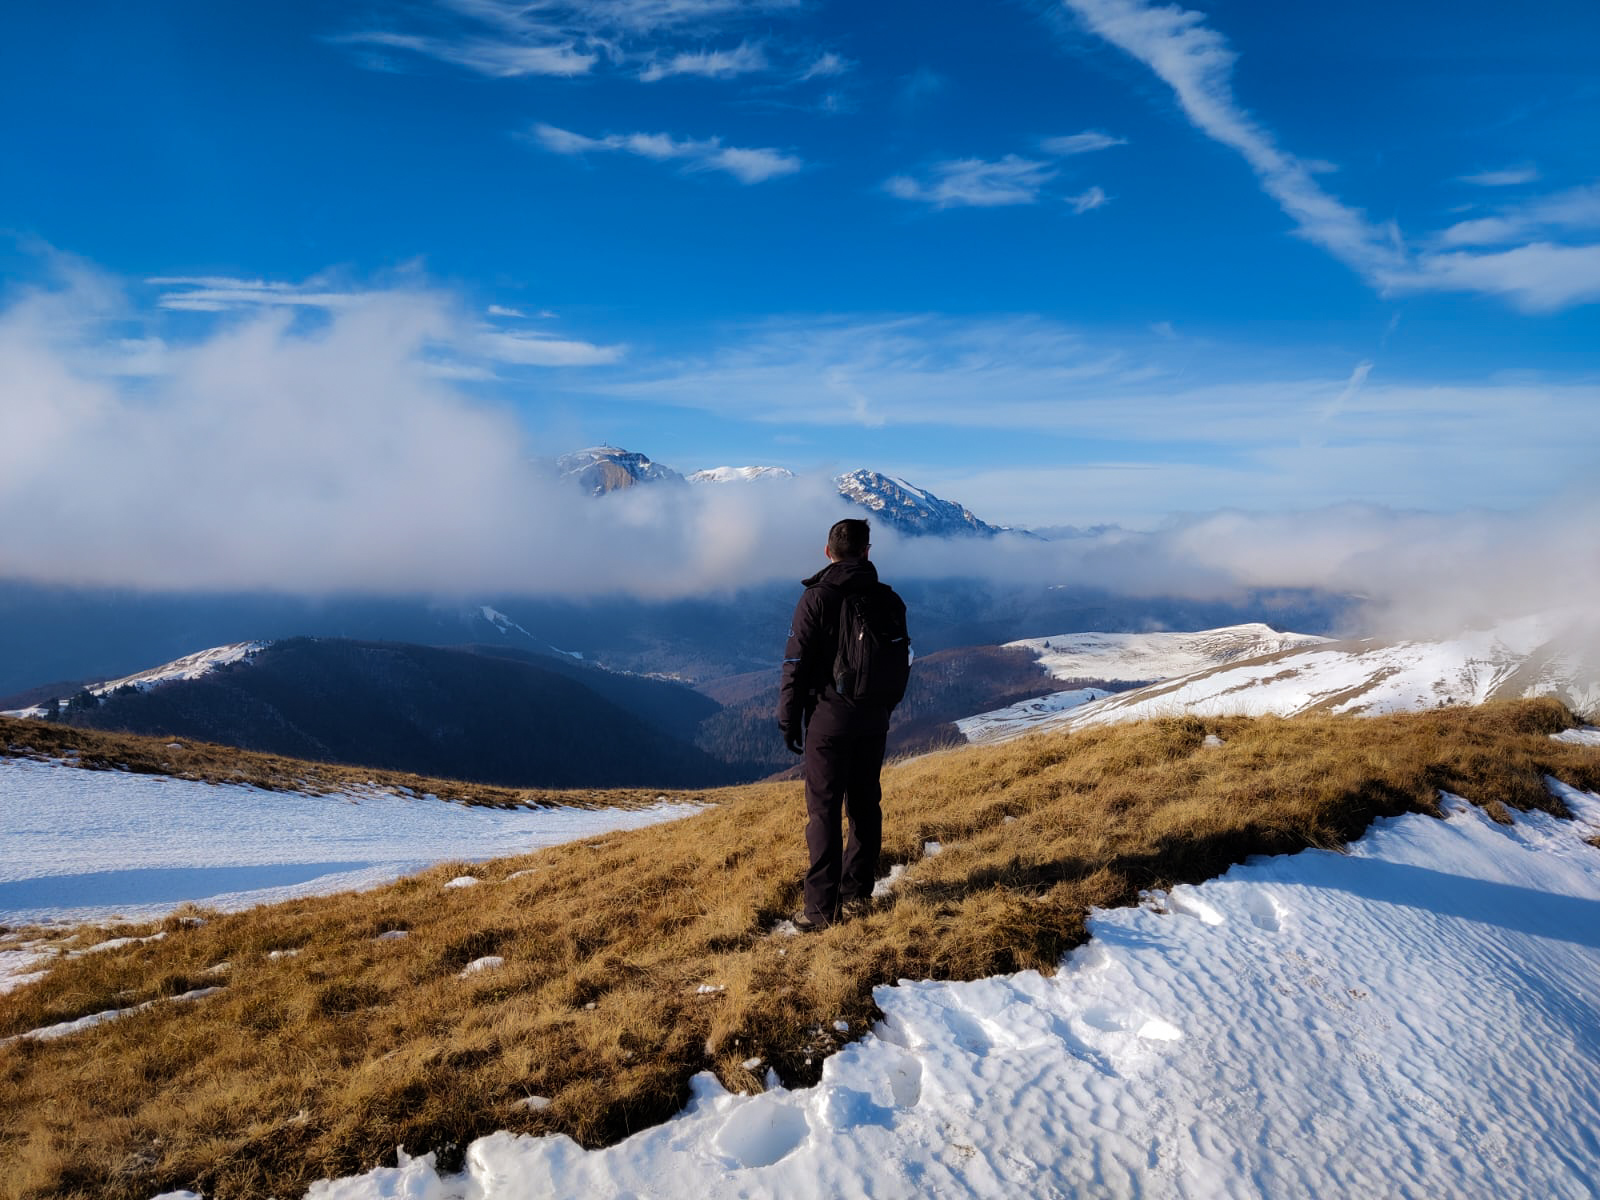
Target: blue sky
1080, 262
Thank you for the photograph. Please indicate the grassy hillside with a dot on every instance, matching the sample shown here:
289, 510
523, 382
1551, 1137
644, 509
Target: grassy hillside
634, 960
210, 762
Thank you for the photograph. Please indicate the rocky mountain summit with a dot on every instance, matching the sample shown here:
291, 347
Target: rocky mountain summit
910, 509
601, 469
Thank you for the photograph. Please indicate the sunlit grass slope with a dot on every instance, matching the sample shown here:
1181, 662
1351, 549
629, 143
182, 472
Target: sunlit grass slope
635, 960
209, 762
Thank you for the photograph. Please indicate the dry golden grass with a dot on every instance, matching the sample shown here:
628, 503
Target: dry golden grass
321, 1063
208, 762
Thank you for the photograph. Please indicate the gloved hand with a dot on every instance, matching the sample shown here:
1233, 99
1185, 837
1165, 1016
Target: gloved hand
795, 741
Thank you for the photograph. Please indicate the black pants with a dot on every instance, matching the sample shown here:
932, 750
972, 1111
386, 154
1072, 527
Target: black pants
841, 773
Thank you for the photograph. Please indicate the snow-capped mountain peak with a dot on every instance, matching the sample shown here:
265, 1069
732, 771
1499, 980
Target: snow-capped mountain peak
739, 474
910, 509
190, 666
602, 469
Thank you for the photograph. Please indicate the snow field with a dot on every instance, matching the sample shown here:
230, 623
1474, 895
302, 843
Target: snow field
1144, 657
86, 845
1414, 1018
1530, 656
1002, 724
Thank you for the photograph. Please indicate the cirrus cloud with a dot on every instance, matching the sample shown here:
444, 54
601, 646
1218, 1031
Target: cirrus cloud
747, 165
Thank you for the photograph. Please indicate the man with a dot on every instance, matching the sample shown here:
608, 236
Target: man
834, 710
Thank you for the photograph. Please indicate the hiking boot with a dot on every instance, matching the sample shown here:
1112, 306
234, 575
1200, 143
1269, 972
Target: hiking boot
805, 924
854, 910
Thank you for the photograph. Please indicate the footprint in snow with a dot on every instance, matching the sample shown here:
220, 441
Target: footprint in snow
1264, 912
762, 1132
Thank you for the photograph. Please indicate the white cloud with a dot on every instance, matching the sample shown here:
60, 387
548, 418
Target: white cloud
211, 293
497, 59
1041, 375
1088, 201
1197, 64
641, 16
267, 455
1509, 177
1538, 278
507, 39
826, 66
222, 294
709, 64
533, 350
975, 183
1080, 143
1576, 210
748, 165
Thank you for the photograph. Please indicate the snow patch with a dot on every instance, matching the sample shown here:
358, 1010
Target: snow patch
1300, 1026
92, 845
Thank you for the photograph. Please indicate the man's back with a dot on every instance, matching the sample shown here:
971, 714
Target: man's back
842, 734
809, 693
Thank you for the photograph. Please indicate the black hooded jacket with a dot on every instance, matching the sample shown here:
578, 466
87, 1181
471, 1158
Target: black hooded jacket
808, 694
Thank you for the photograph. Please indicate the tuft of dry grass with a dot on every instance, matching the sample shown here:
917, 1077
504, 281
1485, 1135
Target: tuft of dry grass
633, 960
209, 762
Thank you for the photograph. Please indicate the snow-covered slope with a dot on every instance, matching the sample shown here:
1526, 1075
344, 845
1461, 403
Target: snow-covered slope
997, 724
1147, 657
1550, 654
1413, 1018
83, 845
1121, 658
190, 666
910, 509
601, 469
739, 474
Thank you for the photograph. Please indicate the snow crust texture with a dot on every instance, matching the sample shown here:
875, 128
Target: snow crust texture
85, 845
1415, 1018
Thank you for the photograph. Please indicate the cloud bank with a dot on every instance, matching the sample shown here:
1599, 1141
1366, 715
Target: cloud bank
274, 452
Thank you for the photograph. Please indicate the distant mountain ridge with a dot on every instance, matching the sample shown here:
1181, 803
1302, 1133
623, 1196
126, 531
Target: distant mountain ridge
740, 474
1549, 654
911, 510
498, 715
1149, 657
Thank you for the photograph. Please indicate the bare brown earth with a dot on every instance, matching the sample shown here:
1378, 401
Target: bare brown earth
329, 1045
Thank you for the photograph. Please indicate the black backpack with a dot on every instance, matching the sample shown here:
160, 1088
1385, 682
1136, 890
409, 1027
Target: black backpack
873, 661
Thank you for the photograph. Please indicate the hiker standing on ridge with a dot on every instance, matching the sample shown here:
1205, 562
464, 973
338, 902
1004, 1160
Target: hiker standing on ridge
844, 670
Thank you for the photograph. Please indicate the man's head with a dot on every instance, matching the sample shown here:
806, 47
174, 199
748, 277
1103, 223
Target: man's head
849, 539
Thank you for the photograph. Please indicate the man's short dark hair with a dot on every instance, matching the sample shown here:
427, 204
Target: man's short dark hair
849, 538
